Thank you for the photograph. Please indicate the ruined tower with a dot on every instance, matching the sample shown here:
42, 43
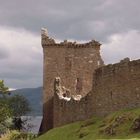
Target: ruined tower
74, 63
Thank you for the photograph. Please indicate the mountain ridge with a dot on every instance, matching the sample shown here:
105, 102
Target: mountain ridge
34, 96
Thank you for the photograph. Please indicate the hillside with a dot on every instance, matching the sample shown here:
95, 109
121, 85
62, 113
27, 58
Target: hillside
119, 125
34, 96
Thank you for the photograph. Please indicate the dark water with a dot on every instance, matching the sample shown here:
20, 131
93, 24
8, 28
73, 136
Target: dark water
32, 124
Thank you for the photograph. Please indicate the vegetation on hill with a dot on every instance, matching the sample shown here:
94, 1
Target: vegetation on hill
11, 110
119, 125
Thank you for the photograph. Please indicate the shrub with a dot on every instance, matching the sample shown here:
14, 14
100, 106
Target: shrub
16, 135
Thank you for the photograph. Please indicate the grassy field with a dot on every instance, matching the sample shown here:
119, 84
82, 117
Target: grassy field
119, 125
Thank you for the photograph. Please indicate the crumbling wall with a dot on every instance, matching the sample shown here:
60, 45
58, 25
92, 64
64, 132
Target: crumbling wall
110, 88
74, 63
117, 87
69, 108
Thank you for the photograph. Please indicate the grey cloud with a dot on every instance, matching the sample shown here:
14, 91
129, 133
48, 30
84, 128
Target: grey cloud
4, 54
121, 46
23, 67
78, 20
70, 19
22, 73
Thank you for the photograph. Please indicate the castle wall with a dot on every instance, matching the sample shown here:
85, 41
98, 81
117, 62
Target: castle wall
74, 63
68, 109
70, 64
80, 94
116, 87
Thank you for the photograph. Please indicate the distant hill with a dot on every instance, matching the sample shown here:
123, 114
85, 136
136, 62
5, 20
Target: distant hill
124, 124
34, 96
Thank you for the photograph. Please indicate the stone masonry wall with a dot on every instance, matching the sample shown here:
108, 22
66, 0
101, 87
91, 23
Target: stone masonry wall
70, 108
116, 87
77, 93
74, 63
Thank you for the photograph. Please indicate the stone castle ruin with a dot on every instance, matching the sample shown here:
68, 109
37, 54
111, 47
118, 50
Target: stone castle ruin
77, 84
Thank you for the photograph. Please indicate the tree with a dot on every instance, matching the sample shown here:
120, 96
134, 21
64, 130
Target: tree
3, 89
5, 117
19, 105
11, 106
5, 111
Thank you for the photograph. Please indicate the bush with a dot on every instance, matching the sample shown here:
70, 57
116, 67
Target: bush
11, 108
19, 105
16, 135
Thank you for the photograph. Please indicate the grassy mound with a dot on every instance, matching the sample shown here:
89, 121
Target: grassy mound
119, 125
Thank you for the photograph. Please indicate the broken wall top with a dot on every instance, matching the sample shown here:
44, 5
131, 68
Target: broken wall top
46, 41
113, 68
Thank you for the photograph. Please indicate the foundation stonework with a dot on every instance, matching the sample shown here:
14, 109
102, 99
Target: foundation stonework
77, 84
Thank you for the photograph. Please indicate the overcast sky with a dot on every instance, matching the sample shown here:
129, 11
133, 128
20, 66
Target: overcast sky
114, 23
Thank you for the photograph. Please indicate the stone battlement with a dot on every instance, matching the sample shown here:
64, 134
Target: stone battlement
113, 68
50, 42
77, 85
74, 63
116, 86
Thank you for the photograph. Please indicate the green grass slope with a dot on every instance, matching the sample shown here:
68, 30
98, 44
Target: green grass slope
119, 125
